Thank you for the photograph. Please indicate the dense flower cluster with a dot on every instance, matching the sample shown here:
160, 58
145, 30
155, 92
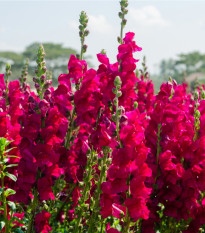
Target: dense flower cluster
109, 152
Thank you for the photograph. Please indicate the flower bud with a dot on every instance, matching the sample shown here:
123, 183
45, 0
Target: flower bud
135, 105
86, 33
103, 51
124, 21
85, 48
37, 86
114, 90
197, 113
120, 15
8, 67
117, 81
44, 68
119, 93
115, 101
196, 95
119, 39
47, 84
35, 79
43, 77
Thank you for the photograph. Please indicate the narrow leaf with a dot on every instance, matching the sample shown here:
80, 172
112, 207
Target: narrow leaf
11, 156
2, 224
9, 192
11, 176
7, 151
12, 205
12, 165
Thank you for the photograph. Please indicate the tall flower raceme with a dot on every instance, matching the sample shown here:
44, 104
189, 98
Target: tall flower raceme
120, 196
43, 131
171, 159
145, 90
127, 67
127, 172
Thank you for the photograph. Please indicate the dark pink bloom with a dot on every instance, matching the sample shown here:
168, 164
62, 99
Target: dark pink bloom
41, 222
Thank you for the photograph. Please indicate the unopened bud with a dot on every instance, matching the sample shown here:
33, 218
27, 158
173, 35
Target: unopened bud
43, 77
86, 33
35, 79
44, 68
135, 105
119, 93
124, 21
114, 90
103, 51
115, 101
120, 15
37, 86
119, 39
8, 67
117, 81
196, 95
85, 48
197, 113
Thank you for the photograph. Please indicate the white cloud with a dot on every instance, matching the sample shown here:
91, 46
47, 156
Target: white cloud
2, 29
148, 16
201, 23
73, 24
99, 24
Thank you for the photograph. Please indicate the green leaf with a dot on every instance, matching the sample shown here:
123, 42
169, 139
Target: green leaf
9, 192
11, 156
12, 165
8, 150
12, 205
2, 141
1, 190
11, 176
18, 230
2, 224
18, 220
7, 143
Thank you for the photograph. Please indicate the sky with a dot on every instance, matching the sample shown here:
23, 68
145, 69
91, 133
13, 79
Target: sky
162, 28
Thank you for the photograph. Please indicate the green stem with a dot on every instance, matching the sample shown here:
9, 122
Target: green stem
127, 222
7, 90
117, 125
70, 130
97, 198
121, 30
158, 150
65, 201
77, 229
4, 198
81, 52
33, 211
127, 218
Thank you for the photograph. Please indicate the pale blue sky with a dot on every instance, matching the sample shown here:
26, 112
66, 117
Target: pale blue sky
163, 28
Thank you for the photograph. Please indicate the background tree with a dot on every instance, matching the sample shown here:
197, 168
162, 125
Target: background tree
57, 58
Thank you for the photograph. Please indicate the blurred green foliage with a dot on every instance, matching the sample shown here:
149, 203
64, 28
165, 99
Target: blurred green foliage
57, 58
183, 66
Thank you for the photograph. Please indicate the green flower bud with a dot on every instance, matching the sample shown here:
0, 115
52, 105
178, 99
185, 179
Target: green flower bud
197, 113
103, 51
117, 81
196, 95
115, 101
119, 93
135, 105
114, 91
